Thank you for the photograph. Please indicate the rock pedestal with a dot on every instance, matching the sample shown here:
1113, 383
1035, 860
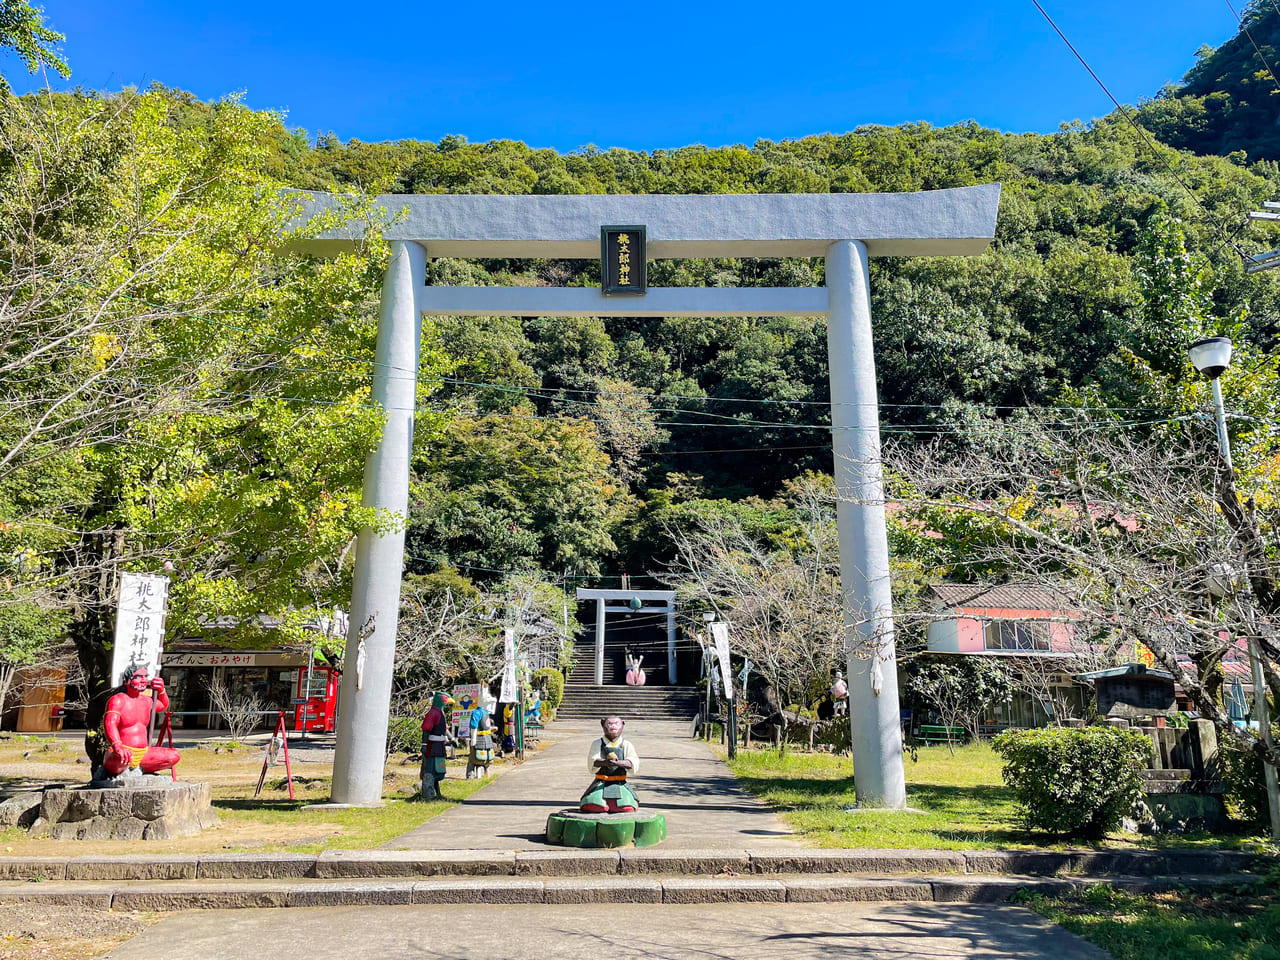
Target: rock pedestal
143, 808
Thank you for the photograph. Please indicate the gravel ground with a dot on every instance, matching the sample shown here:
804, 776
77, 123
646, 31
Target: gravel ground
31, 931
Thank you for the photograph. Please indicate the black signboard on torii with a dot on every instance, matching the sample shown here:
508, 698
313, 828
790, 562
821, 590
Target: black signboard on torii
624, 264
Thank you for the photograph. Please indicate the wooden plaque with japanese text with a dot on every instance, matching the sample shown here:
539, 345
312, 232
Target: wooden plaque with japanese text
623, 261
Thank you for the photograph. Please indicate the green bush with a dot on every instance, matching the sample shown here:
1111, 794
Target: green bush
1074, 782
835, 734
1245, 796
554, 686
404, 735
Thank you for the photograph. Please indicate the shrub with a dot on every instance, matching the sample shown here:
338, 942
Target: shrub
1077, 783
554, 686
834, 734
1245, 796
404, 735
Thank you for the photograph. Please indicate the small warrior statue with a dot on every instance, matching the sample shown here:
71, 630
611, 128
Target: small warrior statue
481, 753
127, 724
435, 742
610, 760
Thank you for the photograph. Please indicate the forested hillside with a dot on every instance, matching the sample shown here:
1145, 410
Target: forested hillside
735, 408
206, 403
1230, 100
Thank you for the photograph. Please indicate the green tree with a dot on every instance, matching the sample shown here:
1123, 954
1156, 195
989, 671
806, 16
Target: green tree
23, 30
514, 493
178, 388
26, 634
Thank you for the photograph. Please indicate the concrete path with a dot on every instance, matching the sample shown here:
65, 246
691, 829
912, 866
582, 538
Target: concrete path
616, 931
679, 777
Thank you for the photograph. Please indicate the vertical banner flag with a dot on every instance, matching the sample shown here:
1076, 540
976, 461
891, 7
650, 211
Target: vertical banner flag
720, 634
510, 690
139, 624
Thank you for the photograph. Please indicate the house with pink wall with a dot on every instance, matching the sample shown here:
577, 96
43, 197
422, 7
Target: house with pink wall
1028, 626
1010, 618
1032, 622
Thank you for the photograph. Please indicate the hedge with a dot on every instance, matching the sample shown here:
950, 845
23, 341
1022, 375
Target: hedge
1074, 782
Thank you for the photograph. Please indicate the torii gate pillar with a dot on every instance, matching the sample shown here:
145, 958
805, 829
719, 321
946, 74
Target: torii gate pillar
860, 522
364, 700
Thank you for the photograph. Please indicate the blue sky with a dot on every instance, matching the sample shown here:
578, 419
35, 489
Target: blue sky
639, 75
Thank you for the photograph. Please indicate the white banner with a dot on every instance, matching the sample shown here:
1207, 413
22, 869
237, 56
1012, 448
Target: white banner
139, 624
720, 634
510, 690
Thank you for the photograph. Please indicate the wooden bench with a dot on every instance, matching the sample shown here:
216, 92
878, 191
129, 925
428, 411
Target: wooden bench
935, 733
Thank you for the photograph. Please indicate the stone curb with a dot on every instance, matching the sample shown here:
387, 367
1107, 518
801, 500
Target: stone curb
410, 864
782, 888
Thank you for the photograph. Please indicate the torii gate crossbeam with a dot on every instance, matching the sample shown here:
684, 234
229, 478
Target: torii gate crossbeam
846, 229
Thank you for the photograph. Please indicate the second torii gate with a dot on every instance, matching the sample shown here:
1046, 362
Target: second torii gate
845, 229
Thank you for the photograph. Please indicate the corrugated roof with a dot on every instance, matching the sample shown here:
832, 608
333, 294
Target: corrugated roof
1006, 596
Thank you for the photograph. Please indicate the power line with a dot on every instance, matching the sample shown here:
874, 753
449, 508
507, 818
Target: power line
1256, 49
550, 393
884, 428
1143, 135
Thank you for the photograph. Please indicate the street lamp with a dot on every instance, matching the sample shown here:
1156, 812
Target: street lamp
1211, 357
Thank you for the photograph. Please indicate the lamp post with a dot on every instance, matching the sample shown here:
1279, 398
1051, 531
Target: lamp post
1211, 357
707, 617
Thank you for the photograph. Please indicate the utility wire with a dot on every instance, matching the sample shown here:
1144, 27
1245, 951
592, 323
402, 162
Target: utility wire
884, 427
550, 393
1143, 135
1256, 49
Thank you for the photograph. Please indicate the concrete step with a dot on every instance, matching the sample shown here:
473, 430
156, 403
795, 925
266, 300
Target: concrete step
781, 888
650, 861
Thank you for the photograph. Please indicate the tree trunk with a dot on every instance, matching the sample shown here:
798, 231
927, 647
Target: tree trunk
6, 677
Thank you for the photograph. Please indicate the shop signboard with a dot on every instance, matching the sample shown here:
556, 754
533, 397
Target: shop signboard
139, 624
211, 660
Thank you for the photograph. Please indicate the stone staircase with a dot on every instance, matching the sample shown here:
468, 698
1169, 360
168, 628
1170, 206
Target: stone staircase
165, 881
583, 700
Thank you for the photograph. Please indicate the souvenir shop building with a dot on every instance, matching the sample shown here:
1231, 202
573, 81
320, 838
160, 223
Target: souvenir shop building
292, 681
295, 680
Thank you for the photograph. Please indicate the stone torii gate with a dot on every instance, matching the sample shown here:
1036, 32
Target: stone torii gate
845, 229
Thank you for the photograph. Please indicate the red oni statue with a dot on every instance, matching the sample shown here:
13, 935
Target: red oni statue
126, 727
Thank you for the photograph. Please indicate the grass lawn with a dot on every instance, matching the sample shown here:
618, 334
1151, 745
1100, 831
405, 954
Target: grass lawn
271, 822
959, 802
1227, 925
339, 829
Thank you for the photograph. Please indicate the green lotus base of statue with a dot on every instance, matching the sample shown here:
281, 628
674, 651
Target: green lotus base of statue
573, 828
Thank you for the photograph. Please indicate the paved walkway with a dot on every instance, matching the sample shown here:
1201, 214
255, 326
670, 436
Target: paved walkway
679, 777
792, 931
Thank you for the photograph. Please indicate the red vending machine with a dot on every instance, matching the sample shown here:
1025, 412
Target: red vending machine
314, 700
